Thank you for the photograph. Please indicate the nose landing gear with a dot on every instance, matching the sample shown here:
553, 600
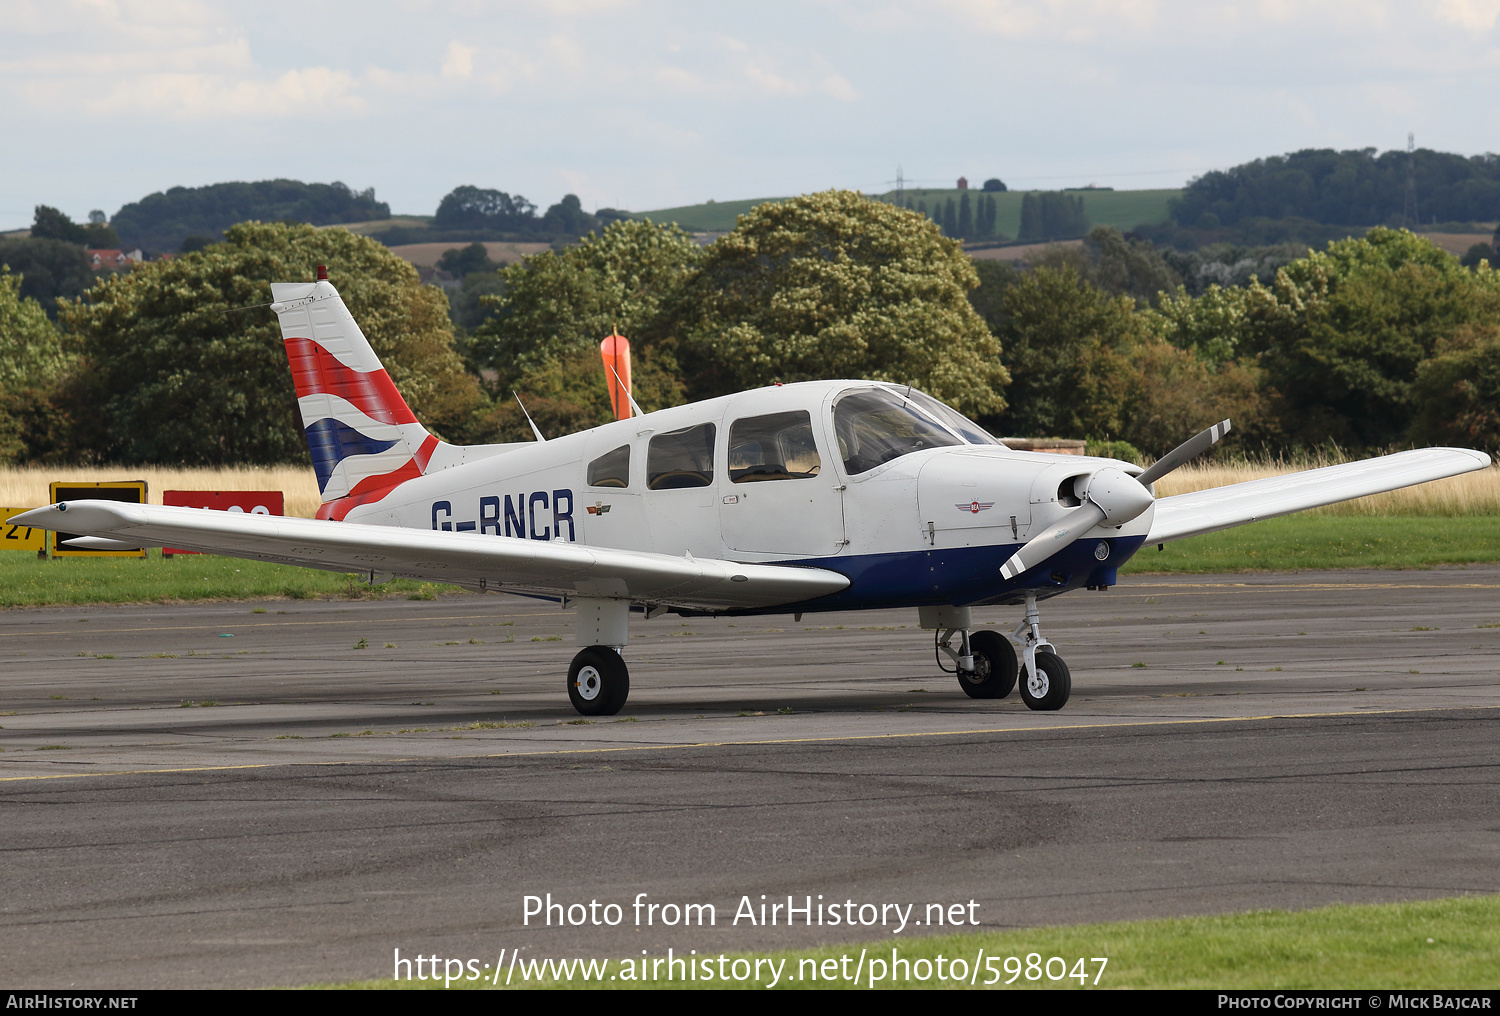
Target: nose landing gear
986, 663
1048, 682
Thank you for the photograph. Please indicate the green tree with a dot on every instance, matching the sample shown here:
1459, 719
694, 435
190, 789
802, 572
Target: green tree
1048, 215
161, 221
1213, 326
1088, 364
1056, 328
555, 304
1457, 391
1342, 332
51, 224
462, 261
965, 217
1128, 267
32, 362
49, 269
837, 285
181, 366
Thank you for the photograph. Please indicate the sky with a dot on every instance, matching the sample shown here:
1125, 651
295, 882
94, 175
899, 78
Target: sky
644, 104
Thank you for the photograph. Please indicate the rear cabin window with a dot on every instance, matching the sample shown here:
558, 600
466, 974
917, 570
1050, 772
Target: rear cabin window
876, 426
612, 469
775, 447
681, 458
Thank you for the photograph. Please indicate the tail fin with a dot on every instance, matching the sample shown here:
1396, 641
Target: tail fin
364, 439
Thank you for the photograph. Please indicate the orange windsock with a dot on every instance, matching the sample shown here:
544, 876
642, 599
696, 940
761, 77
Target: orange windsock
616, 352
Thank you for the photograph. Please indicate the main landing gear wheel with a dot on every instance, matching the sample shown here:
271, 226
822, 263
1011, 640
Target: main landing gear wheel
994, 673
598, 681
1050, 686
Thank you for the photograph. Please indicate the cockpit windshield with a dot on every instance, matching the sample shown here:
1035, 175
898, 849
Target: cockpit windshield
967, 428
875, 426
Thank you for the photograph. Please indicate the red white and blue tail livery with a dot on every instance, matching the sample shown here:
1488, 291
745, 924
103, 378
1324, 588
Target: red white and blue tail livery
364, 438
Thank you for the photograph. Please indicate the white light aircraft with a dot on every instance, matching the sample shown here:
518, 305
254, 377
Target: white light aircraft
793, 499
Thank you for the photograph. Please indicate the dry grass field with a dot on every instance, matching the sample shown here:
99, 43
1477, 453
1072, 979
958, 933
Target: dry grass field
1457, 244
1476, 493
426, 255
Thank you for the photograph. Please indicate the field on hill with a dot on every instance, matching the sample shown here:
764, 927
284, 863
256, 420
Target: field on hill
1457, 244
710, 217
381, 225
426, 255
1122, 209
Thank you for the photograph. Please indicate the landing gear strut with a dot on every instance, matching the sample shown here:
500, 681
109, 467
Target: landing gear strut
986, 663
1047, 683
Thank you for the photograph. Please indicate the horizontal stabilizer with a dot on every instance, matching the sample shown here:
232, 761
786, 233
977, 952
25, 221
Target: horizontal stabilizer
466, 559
1207, 511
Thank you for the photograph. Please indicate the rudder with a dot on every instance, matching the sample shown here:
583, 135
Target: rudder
364, 438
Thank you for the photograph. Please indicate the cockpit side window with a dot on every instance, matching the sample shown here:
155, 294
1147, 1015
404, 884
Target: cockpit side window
779, 446
875, 426
681, 458
967, 428
612, 469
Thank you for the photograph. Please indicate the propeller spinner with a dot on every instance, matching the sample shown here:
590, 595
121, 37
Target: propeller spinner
1108, 494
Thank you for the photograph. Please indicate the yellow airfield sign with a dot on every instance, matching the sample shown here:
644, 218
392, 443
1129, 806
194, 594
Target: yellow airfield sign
131, 491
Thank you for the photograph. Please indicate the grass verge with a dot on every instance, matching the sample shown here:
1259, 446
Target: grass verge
26, 581
1298, 542
1431, 944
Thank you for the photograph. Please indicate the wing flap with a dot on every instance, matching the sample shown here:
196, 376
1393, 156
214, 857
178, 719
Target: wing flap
1207, 511
467, 559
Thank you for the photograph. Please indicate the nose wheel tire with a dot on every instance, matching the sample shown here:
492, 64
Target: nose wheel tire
994, 673
598, 681
1050, 686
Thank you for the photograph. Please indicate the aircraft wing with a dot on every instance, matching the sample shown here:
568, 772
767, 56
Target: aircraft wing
465, 559
1207, 511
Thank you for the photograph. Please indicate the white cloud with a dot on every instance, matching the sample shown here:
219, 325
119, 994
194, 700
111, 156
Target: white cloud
1475, 15
458, 63
205, 96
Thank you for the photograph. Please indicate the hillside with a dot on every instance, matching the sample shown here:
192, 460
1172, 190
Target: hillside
1122, 209
710, 217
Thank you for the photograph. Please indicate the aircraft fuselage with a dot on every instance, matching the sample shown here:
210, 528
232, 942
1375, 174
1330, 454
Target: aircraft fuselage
770, 476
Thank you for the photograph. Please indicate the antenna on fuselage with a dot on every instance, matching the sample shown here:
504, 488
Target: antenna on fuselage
615, 349
634, 406
529, 420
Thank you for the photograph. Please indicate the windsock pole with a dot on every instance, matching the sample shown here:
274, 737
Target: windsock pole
616, 352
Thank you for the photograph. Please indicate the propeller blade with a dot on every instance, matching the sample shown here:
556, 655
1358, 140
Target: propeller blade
1050, 540
1189, 449
1109, 493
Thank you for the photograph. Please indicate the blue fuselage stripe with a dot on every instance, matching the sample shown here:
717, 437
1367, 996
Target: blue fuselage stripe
963, 576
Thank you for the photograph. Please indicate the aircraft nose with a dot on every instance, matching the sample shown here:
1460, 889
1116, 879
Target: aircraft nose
1119, 495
